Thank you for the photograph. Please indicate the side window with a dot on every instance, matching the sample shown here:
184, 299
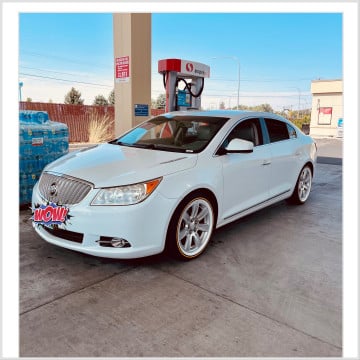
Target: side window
249, 130
277, 130
292, 132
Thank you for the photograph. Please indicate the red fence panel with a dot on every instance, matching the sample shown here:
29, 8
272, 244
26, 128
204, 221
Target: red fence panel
77, 117
156, 112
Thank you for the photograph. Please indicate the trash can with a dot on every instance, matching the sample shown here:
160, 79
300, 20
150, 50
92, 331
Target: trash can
305, 128
340, 128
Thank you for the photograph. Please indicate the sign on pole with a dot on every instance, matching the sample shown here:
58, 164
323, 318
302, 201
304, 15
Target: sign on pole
122, 69
141, 109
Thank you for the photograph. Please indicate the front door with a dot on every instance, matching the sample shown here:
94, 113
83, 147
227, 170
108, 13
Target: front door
245, 175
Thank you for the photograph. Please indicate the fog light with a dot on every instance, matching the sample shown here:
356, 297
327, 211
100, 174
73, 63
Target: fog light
119, 243
107, 241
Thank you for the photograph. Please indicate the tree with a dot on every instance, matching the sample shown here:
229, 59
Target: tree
153, 103
265, 108
100, 100
111, 98
160, 102
74, 97
29, 99
222, 106
261, 107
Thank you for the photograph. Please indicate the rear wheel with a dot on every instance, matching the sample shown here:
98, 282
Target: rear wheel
191, 228
303, 186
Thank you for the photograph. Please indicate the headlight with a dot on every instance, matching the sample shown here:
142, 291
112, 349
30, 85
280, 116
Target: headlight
126, 195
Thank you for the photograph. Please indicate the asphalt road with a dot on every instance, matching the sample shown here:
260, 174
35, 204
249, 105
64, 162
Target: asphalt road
269, 284
329, 150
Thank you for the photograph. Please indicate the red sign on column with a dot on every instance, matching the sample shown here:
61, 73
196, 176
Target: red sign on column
122, 68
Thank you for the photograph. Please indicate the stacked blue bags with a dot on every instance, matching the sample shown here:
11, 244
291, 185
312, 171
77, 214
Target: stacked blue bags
41, 142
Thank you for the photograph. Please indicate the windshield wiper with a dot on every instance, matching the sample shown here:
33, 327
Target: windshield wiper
146, 146
152, 146
172, 148
118, 143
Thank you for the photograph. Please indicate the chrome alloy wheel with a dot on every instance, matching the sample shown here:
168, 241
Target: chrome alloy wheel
194, 227
304, 184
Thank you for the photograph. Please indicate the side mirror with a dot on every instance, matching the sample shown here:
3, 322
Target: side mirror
240, 146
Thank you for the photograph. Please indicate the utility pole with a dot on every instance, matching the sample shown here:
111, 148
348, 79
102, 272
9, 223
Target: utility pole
299, 93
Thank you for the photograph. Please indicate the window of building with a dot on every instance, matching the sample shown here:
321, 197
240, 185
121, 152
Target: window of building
325, 115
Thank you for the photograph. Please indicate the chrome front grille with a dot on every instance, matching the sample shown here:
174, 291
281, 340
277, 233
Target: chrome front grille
63, 189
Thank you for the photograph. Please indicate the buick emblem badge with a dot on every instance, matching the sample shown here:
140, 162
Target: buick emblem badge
53, 189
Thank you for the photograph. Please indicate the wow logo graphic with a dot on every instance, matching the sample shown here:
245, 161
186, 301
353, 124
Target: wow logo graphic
50, 214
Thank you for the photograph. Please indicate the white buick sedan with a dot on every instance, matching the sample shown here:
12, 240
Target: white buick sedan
169, 182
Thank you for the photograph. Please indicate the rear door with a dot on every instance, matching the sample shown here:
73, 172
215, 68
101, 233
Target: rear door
283, 145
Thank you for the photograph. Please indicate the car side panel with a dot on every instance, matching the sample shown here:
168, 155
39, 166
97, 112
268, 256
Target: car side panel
246, 177
286, 163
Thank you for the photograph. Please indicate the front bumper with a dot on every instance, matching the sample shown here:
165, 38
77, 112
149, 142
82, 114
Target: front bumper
143, 225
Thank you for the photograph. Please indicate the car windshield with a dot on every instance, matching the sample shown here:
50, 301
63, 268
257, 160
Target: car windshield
178, 133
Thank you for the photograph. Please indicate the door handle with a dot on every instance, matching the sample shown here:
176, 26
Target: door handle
266, 162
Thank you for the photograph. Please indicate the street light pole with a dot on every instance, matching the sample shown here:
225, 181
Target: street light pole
238, 90
298, 102
238, 61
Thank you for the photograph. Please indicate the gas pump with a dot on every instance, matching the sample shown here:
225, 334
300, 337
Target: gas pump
191, 75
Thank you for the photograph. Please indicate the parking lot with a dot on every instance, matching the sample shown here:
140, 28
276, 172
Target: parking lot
269, 284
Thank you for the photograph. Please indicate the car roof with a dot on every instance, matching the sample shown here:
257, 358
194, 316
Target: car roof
232, 114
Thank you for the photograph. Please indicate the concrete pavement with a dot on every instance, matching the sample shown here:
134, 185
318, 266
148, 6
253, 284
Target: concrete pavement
269, 284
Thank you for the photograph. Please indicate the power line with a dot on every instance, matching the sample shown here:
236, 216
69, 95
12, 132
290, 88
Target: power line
253, 80
260, 81
242, 95
52, 71
156, 91
210, 79
252, 96
72, 81
64, 59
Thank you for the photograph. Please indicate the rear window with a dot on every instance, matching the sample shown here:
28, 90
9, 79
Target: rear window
277, 130
292, 132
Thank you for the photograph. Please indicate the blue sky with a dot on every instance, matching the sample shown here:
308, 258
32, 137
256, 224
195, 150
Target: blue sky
279, 54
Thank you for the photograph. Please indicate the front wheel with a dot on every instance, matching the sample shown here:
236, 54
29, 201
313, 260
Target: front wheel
191, 228
303, 186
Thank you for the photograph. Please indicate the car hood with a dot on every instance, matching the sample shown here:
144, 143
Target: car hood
113, 165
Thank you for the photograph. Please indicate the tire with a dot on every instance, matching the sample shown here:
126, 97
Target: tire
303, 187
190, 228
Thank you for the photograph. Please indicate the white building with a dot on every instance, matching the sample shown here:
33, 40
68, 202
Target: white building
327, 108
